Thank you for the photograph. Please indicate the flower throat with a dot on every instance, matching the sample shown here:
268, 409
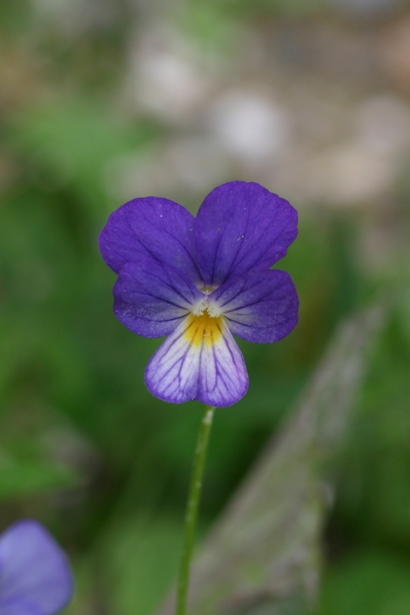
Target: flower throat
203, 329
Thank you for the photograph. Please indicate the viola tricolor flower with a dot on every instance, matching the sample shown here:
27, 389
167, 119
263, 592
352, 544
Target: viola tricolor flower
35, 577
200, 280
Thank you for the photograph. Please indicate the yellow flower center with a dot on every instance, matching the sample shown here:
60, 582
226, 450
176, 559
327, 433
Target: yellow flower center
204, 329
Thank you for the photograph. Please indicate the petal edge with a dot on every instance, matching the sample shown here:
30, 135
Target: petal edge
259, 307
150, 227
241, 227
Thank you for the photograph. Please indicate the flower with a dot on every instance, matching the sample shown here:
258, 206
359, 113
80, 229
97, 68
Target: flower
35, 577
198, 280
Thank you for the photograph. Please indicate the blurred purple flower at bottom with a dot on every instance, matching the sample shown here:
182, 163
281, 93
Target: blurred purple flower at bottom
35, 576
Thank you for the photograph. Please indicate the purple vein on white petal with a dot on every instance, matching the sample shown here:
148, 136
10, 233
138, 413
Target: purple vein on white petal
183, 370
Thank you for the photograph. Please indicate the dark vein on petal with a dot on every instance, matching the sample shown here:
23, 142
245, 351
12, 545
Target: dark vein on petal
175, 238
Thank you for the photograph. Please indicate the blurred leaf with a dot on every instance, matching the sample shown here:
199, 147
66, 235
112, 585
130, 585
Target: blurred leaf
20, 478
75, 141
265, 550
142, 556
373, 502
369, 583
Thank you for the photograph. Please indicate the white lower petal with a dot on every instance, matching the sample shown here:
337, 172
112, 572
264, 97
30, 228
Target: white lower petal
199, 360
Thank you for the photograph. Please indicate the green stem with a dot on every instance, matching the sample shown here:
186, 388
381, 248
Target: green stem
192, 509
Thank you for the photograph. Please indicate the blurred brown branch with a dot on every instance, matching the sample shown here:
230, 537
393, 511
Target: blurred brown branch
263, 557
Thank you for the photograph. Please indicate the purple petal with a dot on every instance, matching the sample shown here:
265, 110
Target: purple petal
199, 360
259, 307
151, 299
153, 228
19, 607
35, 577
242, 227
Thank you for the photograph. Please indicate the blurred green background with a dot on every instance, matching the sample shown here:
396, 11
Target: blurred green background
105, 100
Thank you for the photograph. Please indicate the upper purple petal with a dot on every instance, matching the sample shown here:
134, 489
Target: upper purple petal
153, 228
259, 307
35, 577
241, 227
151, 298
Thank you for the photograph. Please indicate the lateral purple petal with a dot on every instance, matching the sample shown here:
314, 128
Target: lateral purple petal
35, 577
241, 227
153, 228
151, 298
259, 307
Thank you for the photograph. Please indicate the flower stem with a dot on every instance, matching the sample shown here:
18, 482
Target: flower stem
192, 509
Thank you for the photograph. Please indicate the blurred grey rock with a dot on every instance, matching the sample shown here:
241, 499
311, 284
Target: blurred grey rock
249, 125
368, 8
193, 164
164, 78
75, 17
383, 123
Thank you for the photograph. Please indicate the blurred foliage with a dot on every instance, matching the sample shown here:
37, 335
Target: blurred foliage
83, 445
